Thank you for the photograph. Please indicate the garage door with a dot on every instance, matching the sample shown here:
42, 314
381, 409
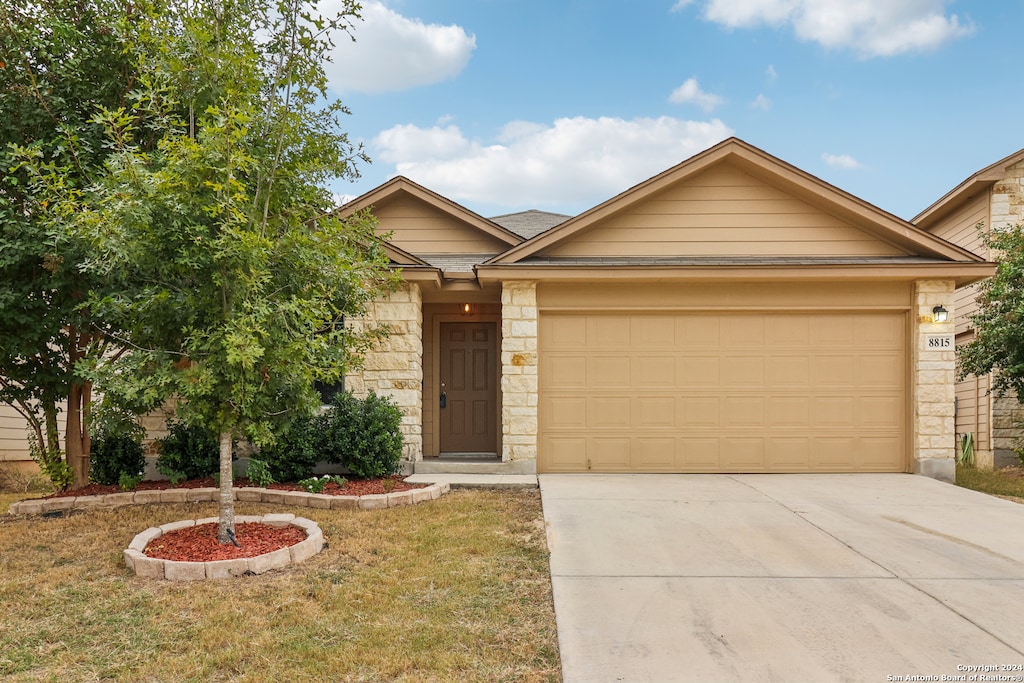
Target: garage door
722, 392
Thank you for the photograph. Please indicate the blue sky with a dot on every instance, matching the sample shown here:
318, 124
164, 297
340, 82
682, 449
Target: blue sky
507, 105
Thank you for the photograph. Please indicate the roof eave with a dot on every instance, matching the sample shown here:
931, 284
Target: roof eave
962, 273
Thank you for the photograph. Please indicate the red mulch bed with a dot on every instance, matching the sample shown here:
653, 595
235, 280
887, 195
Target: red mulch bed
199, 543
354, 487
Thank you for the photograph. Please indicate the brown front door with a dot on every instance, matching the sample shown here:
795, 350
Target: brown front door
468, 399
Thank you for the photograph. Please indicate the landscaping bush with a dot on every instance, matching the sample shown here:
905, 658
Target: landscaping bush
258, 473
188, 452
296, 451
114, 454
363, 435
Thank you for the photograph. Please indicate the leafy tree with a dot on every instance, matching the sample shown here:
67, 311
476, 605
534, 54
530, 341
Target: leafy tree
61, 61
241, 272
998, 344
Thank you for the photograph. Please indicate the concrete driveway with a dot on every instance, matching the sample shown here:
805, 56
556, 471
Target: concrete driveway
783, 578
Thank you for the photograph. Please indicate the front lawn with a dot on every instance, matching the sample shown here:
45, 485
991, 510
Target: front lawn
456, 589
1007, 482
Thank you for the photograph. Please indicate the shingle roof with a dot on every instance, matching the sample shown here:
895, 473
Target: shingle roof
456, 263
529, 223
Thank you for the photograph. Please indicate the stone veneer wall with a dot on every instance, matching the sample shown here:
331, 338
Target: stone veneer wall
1007, 417
394, 367
933, 385
519, 371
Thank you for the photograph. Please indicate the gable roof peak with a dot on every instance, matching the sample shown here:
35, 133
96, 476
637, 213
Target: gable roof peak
966, 190
400, 184
767, 168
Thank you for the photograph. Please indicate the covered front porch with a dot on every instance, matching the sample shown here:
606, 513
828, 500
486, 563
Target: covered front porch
461, 363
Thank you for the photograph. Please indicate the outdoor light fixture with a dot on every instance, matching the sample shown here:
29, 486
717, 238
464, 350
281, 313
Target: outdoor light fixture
467, 309
940, 314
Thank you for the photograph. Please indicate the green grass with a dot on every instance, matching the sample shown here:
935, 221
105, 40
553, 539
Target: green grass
1006, 482
456, 589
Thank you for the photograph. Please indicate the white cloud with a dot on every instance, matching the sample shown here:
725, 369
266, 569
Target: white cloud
690, 92
680, 4
872, 28
761, 102
579, 161
771, 73
409, 141
392, 52
841, 161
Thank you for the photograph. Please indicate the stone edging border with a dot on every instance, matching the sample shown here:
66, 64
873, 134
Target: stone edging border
158, 568
379, 501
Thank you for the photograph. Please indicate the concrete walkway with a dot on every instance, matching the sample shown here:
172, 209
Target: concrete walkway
783, 578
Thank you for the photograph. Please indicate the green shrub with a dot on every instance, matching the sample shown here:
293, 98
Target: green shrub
188, 452
113, 454
51, 462
127, 482
258, 473
363, 435
296, 451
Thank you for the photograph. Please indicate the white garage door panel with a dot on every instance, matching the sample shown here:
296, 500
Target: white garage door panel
706, 392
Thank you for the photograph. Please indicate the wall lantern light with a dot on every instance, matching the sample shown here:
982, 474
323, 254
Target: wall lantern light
940, 314
467, 310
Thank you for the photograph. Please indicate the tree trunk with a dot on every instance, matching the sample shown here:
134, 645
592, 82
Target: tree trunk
226, 530
76, 434
52, 440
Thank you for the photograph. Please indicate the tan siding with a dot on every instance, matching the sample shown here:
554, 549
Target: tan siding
13, 442
419, 228
14, 434
723, 212
961, 227
965, 300
973, 409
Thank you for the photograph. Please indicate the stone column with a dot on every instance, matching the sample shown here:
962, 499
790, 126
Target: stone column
519, 371
394, 366
933, 384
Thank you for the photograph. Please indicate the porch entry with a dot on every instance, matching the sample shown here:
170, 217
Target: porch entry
468, 398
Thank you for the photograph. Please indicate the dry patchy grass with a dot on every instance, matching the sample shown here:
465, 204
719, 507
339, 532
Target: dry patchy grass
454, 590
1007, 482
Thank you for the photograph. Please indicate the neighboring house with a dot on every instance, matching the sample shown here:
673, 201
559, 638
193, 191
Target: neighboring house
990, 199
13, 437
732, 314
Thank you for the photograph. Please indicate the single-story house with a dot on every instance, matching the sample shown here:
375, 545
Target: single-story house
731, 314
990, 199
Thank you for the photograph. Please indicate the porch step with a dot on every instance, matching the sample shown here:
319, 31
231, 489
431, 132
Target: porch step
474, 465
483, 481
475, 471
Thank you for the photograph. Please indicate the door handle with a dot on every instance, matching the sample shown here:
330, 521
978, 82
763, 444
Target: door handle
444, 400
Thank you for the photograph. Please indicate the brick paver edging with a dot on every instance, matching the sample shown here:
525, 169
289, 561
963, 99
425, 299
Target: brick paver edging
380, 501
157, 568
